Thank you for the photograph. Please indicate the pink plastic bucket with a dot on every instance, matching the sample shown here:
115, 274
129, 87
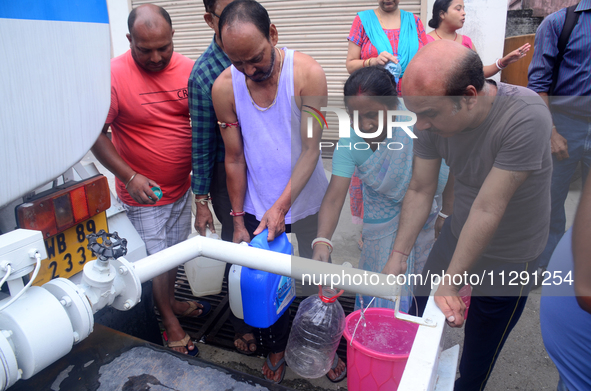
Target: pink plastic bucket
378, 355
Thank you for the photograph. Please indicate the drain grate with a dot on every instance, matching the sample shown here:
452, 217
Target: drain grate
216, 329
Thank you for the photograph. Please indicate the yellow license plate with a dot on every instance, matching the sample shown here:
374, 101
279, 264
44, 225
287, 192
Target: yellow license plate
67, 252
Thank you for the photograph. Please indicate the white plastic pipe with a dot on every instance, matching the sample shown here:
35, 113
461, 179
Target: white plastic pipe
167, 259
310, 271
421, 370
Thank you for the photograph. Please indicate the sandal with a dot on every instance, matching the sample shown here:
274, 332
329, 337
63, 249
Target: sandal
248, 343
205, 308
184, 343
335, 364
275, 367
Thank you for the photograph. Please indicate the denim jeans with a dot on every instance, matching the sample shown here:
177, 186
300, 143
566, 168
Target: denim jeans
577, 133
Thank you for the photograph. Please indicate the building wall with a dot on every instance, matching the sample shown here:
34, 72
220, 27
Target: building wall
541, 8
118, 12
521, 22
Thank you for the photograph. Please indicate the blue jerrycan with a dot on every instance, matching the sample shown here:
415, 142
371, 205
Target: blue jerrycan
266, 296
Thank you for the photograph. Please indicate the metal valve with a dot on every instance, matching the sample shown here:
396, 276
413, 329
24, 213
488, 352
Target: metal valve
111, 246
110, 279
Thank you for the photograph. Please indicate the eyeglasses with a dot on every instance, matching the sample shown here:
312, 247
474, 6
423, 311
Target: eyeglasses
214, 14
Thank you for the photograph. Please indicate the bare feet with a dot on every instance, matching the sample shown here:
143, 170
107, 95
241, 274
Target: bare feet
277, 375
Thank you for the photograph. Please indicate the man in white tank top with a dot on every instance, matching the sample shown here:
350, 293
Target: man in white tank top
275, 176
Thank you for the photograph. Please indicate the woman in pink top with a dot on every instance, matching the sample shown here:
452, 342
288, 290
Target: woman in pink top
449, 16
378, 36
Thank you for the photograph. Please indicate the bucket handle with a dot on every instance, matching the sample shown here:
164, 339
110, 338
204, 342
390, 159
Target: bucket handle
410, 318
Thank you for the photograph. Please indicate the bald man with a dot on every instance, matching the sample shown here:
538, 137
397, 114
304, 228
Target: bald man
495, 138
151, 132
274, 172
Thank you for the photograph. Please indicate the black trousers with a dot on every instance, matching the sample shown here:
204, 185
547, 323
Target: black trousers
220, 200
494, 311
275, 337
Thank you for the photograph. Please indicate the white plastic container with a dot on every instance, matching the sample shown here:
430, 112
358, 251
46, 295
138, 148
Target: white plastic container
205, 275
235, 292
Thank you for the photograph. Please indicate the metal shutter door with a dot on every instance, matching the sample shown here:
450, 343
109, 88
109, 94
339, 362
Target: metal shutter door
318, 28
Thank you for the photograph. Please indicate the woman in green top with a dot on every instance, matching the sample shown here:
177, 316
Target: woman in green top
384, 165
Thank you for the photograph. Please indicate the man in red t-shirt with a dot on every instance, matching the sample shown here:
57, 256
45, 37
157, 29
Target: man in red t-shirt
151, 132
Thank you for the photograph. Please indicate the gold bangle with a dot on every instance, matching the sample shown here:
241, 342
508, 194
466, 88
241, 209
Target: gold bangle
130, 179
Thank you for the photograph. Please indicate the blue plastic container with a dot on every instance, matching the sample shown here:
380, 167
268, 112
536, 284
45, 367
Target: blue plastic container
266, 296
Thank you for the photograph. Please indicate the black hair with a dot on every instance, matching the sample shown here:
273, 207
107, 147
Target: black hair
246, 11
372, 81
209, 5
469, 72
438, 7
133, 15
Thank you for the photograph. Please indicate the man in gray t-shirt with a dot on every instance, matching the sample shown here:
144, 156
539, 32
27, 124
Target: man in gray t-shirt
496, 140
513, 137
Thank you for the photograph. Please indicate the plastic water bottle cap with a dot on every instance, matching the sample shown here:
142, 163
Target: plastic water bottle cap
157, 191
211, 235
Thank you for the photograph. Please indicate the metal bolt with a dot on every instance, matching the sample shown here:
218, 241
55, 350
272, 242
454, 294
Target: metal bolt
128, 304
123, 270
76, 337
66, 301
428, 321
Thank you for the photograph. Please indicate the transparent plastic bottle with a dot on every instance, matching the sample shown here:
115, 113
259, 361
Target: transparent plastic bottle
315, 334
395, 69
